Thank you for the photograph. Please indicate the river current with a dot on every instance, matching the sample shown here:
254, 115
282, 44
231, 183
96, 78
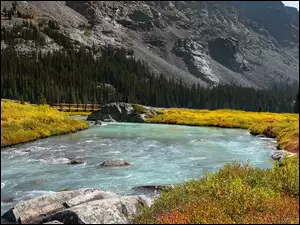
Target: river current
160, 154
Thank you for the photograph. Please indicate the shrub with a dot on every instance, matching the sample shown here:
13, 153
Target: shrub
238, 193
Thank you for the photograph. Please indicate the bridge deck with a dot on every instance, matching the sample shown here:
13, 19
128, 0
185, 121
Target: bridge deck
66, 107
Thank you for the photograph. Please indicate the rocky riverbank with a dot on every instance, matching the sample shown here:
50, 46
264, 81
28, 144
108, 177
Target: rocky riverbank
82, 206
123, 112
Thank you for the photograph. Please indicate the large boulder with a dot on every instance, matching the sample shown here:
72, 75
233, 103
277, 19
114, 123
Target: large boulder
115, 163
106, 211
280, 154
122, 112
35, 209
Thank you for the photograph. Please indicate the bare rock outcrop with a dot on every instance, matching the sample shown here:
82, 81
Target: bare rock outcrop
83, 206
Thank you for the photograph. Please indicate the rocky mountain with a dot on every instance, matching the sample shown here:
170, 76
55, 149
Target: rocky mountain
208, 42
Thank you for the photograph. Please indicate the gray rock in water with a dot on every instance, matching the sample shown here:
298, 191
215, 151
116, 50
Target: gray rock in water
115, 163
77, 161
7, 199
108, 118
261, 135
97, 122
105, 211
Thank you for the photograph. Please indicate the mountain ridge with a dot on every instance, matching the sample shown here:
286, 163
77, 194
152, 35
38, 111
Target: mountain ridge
244, 43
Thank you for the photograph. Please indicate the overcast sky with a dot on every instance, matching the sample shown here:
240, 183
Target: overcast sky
291, 3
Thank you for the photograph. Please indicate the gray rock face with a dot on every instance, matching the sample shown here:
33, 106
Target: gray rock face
280, 154
266, 33
33, 209
108, 118
115, 163
121, 112
106, 211
83, 206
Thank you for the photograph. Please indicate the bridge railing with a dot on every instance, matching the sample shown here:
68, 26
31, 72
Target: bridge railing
76, 107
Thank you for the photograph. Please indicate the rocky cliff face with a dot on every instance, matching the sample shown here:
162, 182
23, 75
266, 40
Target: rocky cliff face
246, 43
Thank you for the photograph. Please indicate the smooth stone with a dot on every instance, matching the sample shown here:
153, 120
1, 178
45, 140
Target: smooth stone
277, 155
96, 195
97, 122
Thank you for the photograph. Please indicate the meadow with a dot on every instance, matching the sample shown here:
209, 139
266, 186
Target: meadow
21, 123
282, 126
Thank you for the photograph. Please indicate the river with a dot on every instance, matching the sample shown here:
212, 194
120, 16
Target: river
160, 154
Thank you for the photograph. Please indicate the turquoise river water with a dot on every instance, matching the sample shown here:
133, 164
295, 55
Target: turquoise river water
160, 154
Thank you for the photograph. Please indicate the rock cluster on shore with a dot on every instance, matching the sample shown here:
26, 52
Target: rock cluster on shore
122, 112
82, 206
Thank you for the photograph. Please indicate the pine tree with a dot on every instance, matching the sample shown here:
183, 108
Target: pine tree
259, 109
5, 11
43, 100
297, 104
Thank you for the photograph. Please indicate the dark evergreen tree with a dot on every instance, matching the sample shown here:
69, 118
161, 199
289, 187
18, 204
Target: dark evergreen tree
297, 104
77, 76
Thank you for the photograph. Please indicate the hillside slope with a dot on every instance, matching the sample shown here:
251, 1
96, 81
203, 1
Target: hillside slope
246, 43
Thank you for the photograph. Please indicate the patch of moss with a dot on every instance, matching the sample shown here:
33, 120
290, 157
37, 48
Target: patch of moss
139, 109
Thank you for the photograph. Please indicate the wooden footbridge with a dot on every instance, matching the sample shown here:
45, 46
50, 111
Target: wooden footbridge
66, 107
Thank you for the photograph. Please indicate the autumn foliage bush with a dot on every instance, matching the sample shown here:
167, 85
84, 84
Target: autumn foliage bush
238, 193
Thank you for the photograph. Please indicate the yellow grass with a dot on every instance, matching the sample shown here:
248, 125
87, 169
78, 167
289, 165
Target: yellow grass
22, 123
284, 127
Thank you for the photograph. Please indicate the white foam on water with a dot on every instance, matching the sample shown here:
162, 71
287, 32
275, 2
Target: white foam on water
52, 160
2, 185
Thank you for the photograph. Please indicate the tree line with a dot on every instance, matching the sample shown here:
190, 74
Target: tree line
77, 76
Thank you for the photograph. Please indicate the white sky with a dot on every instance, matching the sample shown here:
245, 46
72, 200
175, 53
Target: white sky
291, 3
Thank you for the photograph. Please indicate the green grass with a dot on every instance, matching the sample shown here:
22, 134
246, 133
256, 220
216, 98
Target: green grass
238, 193
21, 123
139, 109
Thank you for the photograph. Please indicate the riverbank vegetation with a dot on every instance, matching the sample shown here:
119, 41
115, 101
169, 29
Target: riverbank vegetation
282, 126
238, 193
25, 122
